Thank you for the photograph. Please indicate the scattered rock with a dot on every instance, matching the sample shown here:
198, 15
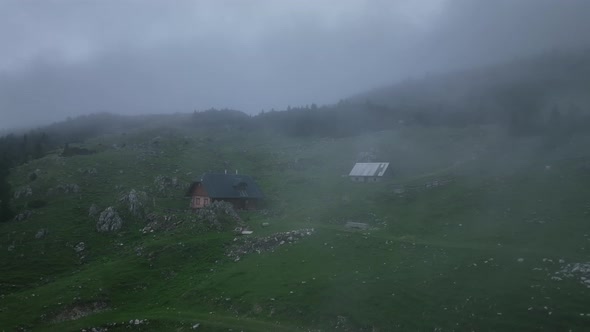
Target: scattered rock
79, 310
138, 321
88, 171
23, 215
109, 221
164, 184
342, 323
265, 224
70, 188
22, 192
258, 245
219, 215
580, 271
160, 223
96, 329
356, 225
41, 233
520, 260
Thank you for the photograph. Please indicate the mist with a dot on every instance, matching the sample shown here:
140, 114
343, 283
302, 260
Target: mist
66, 58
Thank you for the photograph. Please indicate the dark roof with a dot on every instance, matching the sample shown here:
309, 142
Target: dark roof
220, 185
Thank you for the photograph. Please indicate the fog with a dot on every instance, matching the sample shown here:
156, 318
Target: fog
65, 58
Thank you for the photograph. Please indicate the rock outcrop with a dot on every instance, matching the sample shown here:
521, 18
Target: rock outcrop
109, 220
136, 201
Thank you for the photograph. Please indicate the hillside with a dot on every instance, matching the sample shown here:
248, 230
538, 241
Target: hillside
557, 80
475, 230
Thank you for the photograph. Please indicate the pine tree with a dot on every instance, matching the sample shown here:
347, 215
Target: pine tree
5, 192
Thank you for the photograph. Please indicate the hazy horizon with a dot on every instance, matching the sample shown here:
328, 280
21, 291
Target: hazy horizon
130, 57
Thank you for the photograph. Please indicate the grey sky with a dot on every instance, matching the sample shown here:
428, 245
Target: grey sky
62, 58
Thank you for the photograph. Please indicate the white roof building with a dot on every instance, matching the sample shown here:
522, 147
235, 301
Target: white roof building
368, 170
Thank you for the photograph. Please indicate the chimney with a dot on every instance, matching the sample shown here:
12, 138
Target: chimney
236, 172
226, 171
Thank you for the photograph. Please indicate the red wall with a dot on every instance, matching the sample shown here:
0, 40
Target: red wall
199, 197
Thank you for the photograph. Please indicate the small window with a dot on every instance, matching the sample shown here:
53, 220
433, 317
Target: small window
206, 201
197, 201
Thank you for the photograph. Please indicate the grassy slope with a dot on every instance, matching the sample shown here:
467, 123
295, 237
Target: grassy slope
440, 258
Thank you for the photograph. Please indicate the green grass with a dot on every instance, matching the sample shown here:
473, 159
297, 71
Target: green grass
439, 259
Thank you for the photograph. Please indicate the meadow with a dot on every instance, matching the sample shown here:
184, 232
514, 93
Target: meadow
493, 249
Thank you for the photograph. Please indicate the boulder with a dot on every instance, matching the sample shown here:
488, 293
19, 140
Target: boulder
80, 247
41, 233
109, 221
136, 201
23, 215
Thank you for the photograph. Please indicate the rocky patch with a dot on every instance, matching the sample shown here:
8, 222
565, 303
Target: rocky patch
218, 215
578, 271
160, 223
79, 310
250, 245
69, 188
22, 192
165, 184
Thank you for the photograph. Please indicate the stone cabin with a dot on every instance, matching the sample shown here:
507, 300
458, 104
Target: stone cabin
239, 190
